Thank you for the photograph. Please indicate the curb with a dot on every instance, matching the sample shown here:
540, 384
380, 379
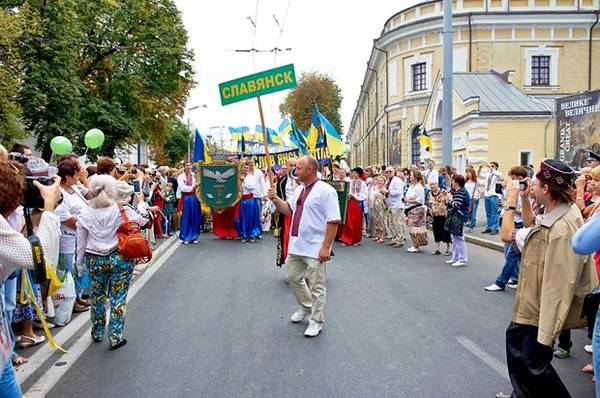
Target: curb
485, 243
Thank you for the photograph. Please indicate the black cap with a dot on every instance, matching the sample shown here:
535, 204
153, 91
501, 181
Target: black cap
359, 171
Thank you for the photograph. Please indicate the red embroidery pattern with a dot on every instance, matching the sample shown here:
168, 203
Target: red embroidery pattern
300, 207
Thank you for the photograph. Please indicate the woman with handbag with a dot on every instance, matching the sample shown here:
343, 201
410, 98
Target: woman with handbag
437, 205
472, 187
415, 211
97, 244
458, 207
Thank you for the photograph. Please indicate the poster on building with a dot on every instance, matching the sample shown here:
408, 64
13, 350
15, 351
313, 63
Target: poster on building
577, 127
394, 142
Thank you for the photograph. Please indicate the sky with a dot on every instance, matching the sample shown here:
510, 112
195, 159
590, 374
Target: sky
328, 36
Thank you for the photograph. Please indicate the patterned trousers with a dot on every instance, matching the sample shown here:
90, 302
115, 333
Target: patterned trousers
110, 276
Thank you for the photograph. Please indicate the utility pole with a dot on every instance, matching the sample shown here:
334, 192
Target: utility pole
447, 85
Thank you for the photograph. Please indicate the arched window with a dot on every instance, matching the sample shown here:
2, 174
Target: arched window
415, 146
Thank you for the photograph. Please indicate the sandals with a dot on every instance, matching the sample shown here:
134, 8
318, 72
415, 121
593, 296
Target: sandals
29, 341
589, 369
80, 308
436, 253
18, 360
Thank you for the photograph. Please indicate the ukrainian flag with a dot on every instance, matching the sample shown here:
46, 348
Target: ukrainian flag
331, 138
297, 138
272, 136
237, 133
425, 141
314, 131
201, 152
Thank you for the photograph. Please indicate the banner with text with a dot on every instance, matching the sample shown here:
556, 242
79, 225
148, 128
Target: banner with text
577, 118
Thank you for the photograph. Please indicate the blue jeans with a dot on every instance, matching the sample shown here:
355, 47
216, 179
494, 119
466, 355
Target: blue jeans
472, 220
596, 349
511, 266
9, 386
491, 212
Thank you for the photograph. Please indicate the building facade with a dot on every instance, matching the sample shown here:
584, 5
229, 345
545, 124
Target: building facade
545, 49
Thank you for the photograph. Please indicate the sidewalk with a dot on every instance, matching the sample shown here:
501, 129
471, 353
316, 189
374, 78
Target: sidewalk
486, 240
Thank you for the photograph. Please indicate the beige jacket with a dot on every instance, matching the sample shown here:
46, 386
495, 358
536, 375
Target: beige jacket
553, 280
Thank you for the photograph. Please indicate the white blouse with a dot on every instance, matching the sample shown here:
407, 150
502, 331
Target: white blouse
182, 186
15, 250
415, 195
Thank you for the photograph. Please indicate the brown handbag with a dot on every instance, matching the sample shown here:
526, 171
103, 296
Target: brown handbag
132, 244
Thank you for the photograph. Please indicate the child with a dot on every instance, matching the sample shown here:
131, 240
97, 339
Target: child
169, 208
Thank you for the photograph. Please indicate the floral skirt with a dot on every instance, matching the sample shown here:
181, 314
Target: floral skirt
416, 226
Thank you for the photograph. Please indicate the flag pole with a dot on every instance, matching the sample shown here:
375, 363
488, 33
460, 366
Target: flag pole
266, 144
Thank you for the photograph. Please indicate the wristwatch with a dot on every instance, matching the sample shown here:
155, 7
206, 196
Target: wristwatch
507, 207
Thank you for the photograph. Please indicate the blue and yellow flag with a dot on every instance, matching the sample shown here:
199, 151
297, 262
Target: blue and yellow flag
285, 128
297, 138
272, 136
330, 137
425, 141
314, 131
201, 152
238, 132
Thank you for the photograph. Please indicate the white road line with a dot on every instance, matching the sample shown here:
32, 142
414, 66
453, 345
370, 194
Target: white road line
488, 359
54, 374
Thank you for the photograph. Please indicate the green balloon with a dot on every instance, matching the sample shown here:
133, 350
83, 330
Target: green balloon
94, 138
61, 145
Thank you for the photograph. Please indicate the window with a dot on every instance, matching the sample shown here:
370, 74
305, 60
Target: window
525, 158
419, 76
415, 147
540, 70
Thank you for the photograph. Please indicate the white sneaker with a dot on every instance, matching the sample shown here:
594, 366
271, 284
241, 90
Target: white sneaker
450, 261
298, 316
493, 288
459, 263
313, 329
588, 348
412, 250
512, 285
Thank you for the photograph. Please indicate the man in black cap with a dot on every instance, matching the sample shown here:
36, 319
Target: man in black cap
553, 280
593, 159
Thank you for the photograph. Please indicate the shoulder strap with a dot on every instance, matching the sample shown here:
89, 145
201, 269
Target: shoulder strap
123, 213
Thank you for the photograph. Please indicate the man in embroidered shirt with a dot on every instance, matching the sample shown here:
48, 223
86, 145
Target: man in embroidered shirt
553, 281
315, 216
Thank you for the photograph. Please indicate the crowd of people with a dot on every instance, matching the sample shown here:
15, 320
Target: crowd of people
546, 217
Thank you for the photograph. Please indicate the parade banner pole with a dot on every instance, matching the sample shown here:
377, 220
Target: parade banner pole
266, 144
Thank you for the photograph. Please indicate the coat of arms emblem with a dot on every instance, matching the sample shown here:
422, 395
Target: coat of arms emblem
220, 186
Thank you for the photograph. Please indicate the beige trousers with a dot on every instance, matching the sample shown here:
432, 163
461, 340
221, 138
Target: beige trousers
397, 225
311, 300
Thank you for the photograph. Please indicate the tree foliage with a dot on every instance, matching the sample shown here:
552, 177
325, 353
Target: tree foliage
176, 144
122, 67
313, 87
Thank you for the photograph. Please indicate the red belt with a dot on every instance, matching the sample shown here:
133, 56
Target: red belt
188, 193
248, 196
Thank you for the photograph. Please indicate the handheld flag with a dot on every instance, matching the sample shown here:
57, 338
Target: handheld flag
201, 153
272, 136
314, 131
331, 138
425, 141
238, 132
297, 138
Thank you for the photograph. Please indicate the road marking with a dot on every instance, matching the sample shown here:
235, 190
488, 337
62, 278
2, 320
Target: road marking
49, 379
488, 359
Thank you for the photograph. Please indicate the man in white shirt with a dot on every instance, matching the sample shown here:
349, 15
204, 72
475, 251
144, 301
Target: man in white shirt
492, 199
396, 219
431, 174
315, 216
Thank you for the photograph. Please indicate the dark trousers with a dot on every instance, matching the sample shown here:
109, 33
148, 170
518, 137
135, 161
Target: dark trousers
564, 340
529, 367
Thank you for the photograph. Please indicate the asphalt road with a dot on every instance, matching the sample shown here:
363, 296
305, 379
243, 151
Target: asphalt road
214, 322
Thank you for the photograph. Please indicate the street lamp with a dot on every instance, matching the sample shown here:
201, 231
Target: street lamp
189, 131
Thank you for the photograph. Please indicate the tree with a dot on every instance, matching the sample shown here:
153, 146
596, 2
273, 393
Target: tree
122, 67
10, 73
176, 144
313, 87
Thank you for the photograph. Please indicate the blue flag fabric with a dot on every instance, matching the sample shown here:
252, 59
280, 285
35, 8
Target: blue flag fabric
201, 153
298, 139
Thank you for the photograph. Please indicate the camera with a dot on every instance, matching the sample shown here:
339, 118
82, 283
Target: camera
32, 198
499, 188
17, 157
522, 185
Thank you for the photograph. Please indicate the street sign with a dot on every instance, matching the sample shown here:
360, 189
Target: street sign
261, 83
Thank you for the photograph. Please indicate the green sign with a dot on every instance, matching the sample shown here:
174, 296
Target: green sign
266, 82
220, 186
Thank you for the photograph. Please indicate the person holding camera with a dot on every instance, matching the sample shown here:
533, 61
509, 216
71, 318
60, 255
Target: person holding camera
16, 251
493, 193
553, 280
97, 243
